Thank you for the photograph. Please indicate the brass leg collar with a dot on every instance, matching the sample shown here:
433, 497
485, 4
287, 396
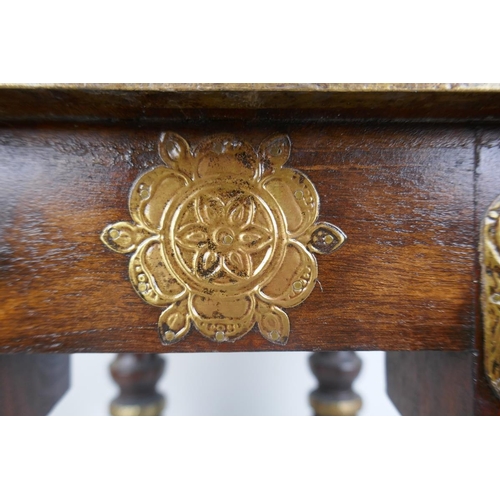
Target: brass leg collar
347, 408
150, 409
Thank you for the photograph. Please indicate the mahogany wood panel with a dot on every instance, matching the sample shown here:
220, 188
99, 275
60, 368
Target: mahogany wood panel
402, 193
444, 383
31, 384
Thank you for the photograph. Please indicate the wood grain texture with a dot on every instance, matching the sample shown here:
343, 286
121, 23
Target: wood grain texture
31, 384
312, 102
403, 194
444, 383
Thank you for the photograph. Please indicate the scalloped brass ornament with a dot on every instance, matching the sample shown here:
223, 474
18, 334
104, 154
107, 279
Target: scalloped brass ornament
490, 298
222, 238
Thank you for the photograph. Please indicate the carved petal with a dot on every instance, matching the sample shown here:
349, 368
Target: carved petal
174, 323
223, 319
153, 193
324, 238
274, 324
296, 196
238, 263
275, 151
254, 239
210, 211
295, 279
123, 237
207, 262
241, 212
151, 277
175, 152
226, 156
192, 236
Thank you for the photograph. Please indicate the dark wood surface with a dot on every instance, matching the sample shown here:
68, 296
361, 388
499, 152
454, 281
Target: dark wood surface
142, 103
403, 194
431, 383
445, 383
31, 384
439, 383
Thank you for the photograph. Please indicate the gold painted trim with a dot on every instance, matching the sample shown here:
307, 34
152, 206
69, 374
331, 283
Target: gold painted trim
223, 238
490, 293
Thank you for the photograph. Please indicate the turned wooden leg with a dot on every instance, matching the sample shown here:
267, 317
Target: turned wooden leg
336, 372
137, 375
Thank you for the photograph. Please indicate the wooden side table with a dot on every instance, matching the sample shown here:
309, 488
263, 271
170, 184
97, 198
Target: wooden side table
325, 218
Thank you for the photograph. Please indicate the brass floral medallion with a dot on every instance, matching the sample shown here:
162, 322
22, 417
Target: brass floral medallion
223, 237
490, 263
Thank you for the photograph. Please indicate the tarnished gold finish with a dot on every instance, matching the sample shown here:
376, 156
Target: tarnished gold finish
490, 264
152, 409
223, 238
347, 408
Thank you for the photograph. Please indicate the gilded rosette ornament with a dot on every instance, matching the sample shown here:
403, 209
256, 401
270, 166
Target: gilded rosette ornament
490, 247
223, 237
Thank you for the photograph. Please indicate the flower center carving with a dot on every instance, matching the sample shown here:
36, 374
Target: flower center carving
223, 238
